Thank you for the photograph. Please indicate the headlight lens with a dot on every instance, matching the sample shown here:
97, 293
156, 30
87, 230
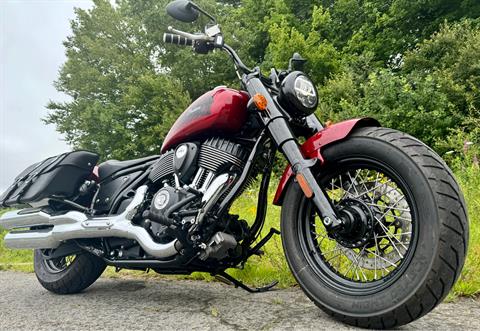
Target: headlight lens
298, 95
305, 92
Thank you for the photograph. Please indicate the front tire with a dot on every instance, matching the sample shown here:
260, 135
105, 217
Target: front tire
419, 275
67, 275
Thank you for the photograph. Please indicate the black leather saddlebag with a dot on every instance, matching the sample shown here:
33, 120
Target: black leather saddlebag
58, 176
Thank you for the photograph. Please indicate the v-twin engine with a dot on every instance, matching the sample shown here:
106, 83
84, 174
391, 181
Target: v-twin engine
211, 170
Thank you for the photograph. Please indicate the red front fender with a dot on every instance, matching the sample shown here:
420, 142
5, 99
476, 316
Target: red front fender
312, 148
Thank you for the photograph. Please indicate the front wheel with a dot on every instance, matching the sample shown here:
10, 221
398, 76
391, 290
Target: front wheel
406, 240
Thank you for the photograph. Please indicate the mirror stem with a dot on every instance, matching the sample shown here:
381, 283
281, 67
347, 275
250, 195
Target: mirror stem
194, 5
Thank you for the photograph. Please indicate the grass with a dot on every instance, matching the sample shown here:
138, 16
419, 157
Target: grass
14, 259
273, 266
469, 281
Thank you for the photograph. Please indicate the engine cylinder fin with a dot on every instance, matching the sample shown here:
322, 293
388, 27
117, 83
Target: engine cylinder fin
203, 178
215, 155
216, 152
163, 167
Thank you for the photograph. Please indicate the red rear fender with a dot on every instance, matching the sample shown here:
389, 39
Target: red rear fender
312, 148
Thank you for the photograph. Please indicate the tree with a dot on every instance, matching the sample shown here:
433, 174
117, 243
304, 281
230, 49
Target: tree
122, 103
387, 59
433, 93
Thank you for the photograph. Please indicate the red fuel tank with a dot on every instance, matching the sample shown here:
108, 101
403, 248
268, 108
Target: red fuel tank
220, 111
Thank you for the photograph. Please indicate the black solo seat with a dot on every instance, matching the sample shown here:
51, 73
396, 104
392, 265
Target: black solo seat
108, 168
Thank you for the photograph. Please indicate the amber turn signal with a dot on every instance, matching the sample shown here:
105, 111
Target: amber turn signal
307, 190
260, 102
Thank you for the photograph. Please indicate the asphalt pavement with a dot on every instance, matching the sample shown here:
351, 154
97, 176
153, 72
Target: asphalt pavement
159, 304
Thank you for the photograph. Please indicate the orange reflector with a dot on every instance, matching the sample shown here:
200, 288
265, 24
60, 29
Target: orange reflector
260, 102
304, 185
328, 123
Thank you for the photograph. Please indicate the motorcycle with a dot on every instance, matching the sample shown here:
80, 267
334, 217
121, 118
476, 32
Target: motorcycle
373, 223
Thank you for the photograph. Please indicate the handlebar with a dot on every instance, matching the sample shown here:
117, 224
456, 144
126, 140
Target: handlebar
203, 43
171, 38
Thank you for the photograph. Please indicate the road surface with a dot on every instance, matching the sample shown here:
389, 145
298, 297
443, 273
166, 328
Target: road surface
133, 304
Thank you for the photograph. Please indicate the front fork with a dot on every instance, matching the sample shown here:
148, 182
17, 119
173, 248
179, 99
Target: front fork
281, 133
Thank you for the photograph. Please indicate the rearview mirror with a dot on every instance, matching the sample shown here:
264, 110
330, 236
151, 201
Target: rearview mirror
183, 10
297, 62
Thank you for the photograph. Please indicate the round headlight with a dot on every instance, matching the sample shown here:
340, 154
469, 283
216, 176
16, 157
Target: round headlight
298, 94
305, 92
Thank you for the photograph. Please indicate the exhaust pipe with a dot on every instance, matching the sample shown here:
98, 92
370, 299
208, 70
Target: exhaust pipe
76, 225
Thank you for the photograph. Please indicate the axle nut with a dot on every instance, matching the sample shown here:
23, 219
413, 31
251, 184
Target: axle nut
327, 221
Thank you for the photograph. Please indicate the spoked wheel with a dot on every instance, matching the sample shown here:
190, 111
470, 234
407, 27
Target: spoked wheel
378, 240
68, 274
405, 235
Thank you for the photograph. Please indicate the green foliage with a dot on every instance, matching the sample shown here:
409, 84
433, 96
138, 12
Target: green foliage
323, 58
469, 281
122, 104
14, 259
413, 66
432, 92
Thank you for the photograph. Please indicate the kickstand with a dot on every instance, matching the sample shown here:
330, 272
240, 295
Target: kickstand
224, 276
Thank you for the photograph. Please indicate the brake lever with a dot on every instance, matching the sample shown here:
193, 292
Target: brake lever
201, 37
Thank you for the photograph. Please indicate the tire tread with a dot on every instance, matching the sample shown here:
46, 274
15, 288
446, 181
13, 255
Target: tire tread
453, 241
83, 272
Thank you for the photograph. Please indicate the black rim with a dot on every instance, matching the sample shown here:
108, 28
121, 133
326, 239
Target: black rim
58, 265
376, 249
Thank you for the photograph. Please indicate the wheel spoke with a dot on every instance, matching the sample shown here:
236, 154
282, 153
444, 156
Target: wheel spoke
360, 258
60, 264
363, 181
386, 206
389, 234
392, 207
395, 234
353, 181
333, 257
382, 258
373, 189
375, 256
319, 235
332, 250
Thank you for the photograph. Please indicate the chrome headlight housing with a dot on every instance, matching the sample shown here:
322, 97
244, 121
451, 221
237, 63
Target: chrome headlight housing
298, 94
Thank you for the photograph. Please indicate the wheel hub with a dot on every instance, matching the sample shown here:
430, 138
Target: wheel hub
387, 255
358, 219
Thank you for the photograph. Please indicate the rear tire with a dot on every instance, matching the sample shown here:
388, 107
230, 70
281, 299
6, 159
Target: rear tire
82, 272
440, 246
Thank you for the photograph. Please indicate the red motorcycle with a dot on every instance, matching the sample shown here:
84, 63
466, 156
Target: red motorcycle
373, 223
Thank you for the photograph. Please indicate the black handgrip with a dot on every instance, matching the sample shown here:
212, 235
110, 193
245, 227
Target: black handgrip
176, 39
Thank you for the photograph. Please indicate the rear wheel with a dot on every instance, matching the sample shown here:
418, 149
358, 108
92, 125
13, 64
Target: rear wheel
68, 274
405, 244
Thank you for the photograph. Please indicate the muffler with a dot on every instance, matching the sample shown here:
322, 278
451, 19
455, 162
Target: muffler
77, 225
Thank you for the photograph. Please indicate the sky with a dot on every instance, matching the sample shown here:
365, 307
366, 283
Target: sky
31, 53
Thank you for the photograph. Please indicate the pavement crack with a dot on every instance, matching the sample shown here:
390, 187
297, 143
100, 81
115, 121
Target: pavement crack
212, 311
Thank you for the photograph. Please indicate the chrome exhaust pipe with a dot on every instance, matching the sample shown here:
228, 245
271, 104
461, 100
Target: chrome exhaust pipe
26, 218
76, 225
